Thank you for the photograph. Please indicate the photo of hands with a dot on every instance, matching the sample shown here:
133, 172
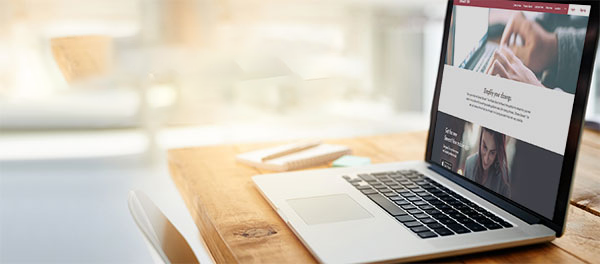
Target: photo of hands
541, 49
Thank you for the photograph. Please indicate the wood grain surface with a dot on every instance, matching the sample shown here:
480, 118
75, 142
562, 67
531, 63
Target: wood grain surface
238, 225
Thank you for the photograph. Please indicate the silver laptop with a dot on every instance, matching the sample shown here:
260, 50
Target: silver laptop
499, 157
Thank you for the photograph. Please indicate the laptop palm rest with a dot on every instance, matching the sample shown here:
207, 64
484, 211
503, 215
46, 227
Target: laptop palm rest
328, 209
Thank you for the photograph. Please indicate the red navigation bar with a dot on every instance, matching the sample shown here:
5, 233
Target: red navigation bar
517, 5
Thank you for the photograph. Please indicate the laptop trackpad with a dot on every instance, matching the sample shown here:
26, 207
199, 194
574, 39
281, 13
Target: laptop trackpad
328, 209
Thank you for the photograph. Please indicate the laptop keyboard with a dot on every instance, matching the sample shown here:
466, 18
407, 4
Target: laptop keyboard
424, 206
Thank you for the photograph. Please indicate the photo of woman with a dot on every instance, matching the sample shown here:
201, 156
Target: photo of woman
489, 166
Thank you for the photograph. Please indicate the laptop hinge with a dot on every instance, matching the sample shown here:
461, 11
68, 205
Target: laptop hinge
487, 195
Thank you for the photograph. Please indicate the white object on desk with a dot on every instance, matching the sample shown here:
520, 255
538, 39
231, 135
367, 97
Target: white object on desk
293, 156
165, 242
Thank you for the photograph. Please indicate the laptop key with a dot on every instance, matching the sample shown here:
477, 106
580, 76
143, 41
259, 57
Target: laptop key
414, 211
458, 229
408, 207
419, 229
427, 220
422, 193
369, 191
367, 177
419, 203
435, 225
432, 211
420, 216
426, 207
428, 198
390, 207
505, 224
403, 202
475, 227
492, 226
427, 234
412, 224
447, 221
443, 231
405, 218
380, 174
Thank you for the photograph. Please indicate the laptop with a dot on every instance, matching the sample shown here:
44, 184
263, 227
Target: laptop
500, 152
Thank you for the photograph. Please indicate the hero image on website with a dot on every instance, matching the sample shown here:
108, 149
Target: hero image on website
507, 93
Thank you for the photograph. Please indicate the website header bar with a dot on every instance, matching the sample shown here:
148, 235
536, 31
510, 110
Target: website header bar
556, 8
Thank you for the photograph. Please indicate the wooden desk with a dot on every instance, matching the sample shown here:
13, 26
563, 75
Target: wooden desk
239, 225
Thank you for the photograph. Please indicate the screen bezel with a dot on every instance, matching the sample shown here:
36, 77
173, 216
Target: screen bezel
574, 135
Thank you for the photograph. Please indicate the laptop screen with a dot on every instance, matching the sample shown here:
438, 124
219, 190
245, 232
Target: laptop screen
507, 94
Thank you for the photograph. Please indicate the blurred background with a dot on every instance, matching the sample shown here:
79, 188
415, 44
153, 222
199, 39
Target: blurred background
93, 92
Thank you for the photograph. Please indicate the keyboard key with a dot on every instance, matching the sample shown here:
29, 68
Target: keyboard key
427, 234
504, 223
419, 229
363, 187
367, 177
412, 224
389, 194
450, 211
435, 202
420, 216
402, 202
435, 225
447, 221
414, 199
396, 198
428, 198
475, 227
440, 216
458, 229
428, 220
454, 203
443, 231
426, 207
369, 191
444, 207
432, 211
405, 218
380, 174
390, 207
421, 182
457, 215
419, 203
465, 221
408, 207
484, 221
407, 194
495, 218
492, 226
414, 211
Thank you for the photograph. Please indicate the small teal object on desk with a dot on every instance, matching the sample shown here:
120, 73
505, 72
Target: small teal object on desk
349, 161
